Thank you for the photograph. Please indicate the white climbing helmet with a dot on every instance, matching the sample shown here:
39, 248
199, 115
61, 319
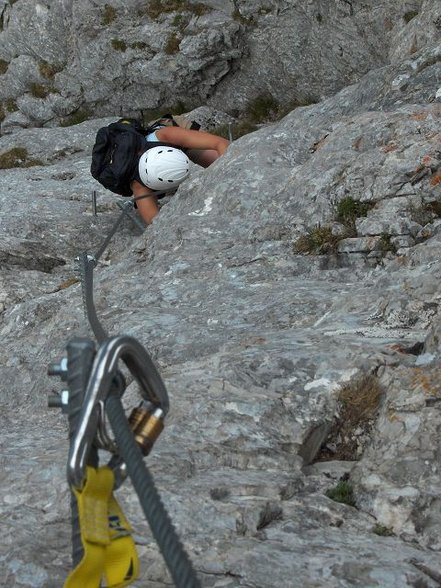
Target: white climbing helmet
163, 168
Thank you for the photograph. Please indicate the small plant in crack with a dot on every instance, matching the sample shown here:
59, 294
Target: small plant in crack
383, 531
348, 210
17, 157
385, 244
342, 492
172, 44
109, 14
435, 207
3, 66
49, 70
360, 398
318, 240
426, 213
156, 8
119, 45
358, 406
75, 118
262, 110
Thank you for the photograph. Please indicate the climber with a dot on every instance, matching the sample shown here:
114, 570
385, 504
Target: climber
162, 168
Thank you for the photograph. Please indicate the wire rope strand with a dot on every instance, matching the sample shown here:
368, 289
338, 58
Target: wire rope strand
80, 354
154, 510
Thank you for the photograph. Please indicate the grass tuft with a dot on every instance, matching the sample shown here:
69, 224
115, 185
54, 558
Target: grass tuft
39, 90
385, 244
156, 8
318, 240
139, 45
6, 106
358, 402
343, 493
383, 531
321, 240
263, 108
17, 157
109, 15
172, 44
75, 119
348, 210
359, 398
119, 45
48, 70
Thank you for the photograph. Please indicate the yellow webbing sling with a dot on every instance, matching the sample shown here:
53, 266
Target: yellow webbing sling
109, 549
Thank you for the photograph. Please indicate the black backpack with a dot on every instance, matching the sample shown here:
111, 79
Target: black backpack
115, 154
118, 146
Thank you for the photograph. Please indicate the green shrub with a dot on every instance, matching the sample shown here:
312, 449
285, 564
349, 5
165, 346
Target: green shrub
386, 245
348, 210
17, 157
263, 108
119, 45
291, 105
343, 493
109, 14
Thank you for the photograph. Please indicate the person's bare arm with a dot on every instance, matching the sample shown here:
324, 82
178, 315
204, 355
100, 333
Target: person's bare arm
148, 207
188, 139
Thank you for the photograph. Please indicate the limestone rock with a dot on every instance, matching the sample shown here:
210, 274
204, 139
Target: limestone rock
66, 62
253, 339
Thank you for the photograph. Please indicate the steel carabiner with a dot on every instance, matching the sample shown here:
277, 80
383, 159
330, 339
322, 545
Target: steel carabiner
103, 379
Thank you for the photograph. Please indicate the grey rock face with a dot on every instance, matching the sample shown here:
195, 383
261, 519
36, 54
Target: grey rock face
254, 338
70, 61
